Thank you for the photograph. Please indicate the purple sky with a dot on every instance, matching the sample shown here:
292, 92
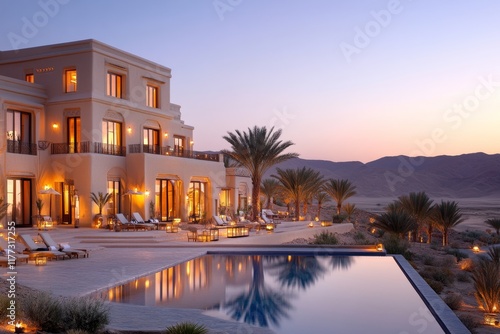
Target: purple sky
345, 80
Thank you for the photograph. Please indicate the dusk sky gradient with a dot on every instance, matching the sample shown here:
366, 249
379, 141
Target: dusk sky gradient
344, 80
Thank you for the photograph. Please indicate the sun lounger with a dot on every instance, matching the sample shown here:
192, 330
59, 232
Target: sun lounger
63, 247
33, 250
141, 222
219, 222
10, 253
125, 225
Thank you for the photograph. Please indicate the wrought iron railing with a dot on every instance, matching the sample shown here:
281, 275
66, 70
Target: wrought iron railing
15, 146
170, 151
88, 147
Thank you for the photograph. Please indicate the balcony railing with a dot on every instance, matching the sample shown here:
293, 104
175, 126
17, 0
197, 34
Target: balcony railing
14, 146
168, 150
88, 147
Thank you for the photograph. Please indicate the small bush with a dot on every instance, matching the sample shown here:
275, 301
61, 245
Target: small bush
454, 301
467, 265
435, 285
4, 303
457, 253
77, 331
43, 311
469, 322
449, 261
428, 260
395, 245
186, 328
359, 237
325, 238
439, 274
87, 314
463, 276
337, 219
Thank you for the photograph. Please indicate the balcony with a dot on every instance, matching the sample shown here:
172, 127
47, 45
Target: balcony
168, 150
88, 147
14, 146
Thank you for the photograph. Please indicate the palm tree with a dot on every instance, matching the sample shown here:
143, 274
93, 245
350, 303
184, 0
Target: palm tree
321, 197
395, 221
270, 188
495, 223
447, 215
339, 190
257, 150
349, 209
299, 184
486, 284
419, 206
3, 208
100, 200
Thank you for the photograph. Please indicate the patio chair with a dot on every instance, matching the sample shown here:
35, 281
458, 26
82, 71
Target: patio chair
8, 252
142, 223
219, 222
124, 223
63, 247
33, 250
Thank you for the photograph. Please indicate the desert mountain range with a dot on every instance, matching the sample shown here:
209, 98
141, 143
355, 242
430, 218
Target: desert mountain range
464, 176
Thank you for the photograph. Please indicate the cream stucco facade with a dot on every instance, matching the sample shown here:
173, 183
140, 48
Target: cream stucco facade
84, 117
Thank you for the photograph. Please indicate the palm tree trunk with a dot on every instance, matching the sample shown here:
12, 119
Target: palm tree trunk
255, 198
429, 233
445, 237
339, 206
297, 210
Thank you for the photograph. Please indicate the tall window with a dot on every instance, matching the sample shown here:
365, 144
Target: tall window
18, 129
151, 141
74, 134
165, 199
114, 205
196, 200
114, 85
152, 96
19, 197
111, 137
29, 77
178, 145
70, 81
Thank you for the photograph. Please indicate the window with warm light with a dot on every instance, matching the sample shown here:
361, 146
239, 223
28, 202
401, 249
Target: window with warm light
179, 145
19, 132
29, 77
70, 80
74, 134
151, 141
19, 192
114, 85
111, 136
152, 96
114, 204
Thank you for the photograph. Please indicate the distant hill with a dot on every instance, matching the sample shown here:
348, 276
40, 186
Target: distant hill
463, 176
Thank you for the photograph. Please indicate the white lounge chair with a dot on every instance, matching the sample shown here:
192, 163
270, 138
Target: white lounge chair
33, 250
138, 220
63, 247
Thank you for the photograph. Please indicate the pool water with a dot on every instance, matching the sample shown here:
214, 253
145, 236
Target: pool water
290, 293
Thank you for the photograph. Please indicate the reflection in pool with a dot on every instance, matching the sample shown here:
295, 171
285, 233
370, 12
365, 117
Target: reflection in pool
290, 293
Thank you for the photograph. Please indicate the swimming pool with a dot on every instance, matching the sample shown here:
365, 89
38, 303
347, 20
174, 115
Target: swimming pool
290, 293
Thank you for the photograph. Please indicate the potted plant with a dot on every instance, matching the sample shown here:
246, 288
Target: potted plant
100, 200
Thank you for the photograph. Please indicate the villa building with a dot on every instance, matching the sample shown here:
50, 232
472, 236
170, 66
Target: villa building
84, 117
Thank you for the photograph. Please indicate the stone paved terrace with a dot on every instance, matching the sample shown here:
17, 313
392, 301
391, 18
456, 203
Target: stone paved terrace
124, 256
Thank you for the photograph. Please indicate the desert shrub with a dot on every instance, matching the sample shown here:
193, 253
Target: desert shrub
470, 322
395, 245
43, 311
457, 253
87, 314
428, 260
467, 265
454, 301
186, 328
359, 237
4, 304
440, 274
486, 284
463, 276
337, 219
325, 238
77, 331
435, 285
448, 261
